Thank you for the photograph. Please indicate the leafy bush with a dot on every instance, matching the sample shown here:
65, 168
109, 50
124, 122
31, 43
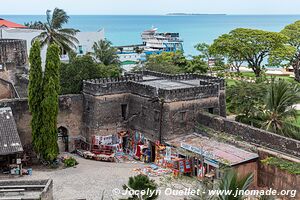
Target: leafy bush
70, 162
291, 167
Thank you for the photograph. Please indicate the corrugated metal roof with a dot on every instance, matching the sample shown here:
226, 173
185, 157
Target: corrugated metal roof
210, 148
9, 138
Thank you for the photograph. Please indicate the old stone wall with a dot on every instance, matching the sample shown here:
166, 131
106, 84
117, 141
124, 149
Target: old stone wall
251, 134
102, 115
13, 51
70, 116
151, 116
273, 177
180, 117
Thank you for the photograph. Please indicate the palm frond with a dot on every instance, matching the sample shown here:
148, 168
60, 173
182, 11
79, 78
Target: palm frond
59, 17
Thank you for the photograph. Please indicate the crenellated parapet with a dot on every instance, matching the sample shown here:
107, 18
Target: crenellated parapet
211, 90
165, 86
204, 79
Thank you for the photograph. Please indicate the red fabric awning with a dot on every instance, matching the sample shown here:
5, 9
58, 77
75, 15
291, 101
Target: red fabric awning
8, 24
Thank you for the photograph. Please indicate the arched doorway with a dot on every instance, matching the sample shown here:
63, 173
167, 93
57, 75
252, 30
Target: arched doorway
63, 139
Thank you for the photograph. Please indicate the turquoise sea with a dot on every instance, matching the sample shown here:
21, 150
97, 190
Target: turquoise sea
125, 30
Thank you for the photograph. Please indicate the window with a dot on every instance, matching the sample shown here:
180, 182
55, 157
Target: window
80, 49
124, 111
211, 110
156, 115
143, 111
1, 67
183, 116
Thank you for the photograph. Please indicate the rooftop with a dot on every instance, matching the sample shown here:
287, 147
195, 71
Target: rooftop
149, 84
219, 151
10, 142
9, 24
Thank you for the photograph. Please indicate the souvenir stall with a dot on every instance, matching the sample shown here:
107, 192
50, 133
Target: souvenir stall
167, 156
106, 147
140, 147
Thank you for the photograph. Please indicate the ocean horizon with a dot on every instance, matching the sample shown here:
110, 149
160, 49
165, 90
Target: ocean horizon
193, 29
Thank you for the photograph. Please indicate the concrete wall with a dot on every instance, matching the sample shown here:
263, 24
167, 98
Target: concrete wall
70, 116
250, 134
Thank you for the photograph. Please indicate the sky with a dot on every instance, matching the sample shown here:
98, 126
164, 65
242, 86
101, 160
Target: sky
148, 7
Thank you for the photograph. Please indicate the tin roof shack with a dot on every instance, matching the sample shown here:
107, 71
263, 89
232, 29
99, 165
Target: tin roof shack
26, 189
10, 143
215, 155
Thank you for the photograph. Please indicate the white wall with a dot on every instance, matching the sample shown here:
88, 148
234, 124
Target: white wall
86, 39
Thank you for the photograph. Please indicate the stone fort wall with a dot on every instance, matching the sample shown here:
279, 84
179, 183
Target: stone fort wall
70, 116
250, 134
13, 51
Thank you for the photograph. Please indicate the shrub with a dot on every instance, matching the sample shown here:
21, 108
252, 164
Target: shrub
70, 162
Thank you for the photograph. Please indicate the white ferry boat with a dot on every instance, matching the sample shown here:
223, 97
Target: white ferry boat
153, 42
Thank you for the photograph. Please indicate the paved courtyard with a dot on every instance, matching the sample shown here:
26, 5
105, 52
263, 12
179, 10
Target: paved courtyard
88, 180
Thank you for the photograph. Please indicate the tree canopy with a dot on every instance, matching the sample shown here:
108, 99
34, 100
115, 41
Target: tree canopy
35, 94
175, 62
292, 56
54, 33
83, 68
250, 45
105, 53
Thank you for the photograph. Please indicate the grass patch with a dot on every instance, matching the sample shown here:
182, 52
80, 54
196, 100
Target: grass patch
230, 82
291, 167
298, 119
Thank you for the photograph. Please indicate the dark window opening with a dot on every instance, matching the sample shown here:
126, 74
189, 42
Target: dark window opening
143, 112
124, 111
156, 115
211, 110
182, 116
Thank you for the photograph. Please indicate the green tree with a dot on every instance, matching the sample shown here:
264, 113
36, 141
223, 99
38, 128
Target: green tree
35, 94
231, 182
105, 53
52, 67
251, 45
54, 33
49, 112
245, 99
292, 31
279, 112
223, 47
35, 25
82, 68
141, 183
196, 65
167, 62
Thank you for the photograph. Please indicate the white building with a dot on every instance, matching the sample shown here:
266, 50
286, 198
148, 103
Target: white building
86, 39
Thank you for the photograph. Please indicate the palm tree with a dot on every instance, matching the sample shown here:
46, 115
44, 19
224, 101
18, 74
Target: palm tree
55, 33
231, 182
279, 108
105, 53
139, 51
